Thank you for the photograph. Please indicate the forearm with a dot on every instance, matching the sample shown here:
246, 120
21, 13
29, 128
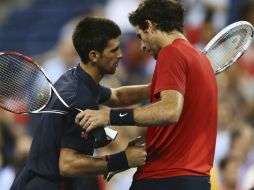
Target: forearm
163, 112
129, 95
74, 164
156, 114
82, 165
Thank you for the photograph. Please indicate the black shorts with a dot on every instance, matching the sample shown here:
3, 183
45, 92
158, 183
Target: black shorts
173, 183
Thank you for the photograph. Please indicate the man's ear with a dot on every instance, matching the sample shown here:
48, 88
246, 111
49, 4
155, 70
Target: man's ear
94, 56
151, 26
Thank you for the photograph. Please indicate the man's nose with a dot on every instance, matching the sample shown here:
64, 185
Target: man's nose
120, 55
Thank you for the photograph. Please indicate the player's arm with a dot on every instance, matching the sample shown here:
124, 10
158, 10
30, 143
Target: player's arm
72, 163
128, 95
166, 111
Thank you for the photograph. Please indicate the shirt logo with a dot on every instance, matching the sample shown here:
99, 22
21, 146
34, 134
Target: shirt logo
122, 115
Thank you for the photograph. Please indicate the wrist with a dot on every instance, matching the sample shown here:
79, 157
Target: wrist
121, 117
117, 162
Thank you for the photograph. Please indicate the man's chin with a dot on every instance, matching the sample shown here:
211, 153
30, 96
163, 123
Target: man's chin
111, 72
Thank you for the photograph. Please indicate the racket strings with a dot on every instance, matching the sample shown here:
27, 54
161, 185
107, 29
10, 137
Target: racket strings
5, 77
9, 60
229, 47
19, 79
27, 87
221, 52
19, 95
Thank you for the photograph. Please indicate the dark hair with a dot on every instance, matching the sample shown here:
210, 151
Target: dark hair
93, 33
166, 14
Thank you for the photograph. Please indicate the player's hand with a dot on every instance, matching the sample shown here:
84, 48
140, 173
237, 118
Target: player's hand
136, 156
91, 119
136, 153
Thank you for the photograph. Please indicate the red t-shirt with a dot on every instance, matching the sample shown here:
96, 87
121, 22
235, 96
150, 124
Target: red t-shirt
186, 148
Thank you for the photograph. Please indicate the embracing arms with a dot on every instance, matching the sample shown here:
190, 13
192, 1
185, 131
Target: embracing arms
161, 113
128, 95
164, 112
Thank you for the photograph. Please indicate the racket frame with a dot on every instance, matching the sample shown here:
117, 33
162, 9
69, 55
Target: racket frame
40, 110
223, 32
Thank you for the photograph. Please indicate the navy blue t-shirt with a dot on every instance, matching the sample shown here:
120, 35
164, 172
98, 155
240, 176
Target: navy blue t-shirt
55, 131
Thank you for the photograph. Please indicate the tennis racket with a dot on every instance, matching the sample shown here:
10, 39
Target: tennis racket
229, 45
26, 89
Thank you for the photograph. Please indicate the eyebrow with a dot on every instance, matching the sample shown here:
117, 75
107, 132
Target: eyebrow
116, 48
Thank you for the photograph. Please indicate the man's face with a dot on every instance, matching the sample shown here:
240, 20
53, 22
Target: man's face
148, 41
110, 57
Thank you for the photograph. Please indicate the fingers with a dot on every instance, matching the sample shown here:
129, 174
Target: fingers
91, 119
85, 120
143, 146
134, 141
80, 117
89, 126
143, 154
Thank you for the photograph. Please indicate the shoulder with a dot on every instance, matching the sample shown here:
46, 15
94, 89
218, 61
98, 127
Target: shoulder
173, 50
67, 86
171, 54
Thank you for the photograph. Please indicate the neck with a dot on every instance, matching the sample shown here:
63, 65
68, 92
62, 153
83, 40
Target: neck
92, 71
167, 38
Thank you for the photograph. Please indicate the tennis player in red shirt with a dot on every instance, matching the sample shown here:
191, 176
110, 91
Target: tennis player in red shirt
182, 116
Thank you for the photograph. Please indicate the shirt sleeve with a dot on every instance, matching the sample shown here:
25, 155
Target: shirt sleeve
75, 138
105, 94
171, 71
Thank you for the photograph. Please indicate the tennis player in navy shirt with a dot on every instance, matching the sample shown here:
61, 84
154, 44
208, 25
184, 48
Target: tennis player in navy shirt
61, 153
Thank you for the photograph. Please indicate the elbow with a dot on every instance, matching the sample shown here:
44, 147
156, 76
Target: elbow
64, 168
172, 117
175, 118
72, 164
67, 168
119, 98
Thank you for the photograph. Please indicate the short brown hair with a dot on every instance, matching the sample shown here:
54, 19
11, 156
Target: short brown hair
166, 14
